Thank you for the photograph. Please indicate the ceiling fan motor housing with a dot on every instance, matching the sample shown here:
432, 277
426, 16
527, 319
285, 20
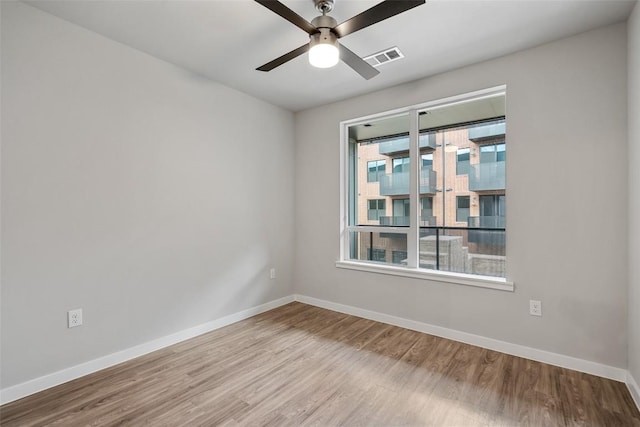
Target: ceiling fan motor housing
324, 21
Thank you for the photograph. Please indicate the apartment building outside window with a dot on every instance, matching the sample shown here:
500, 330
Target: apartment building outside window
376, 168
445, 191
462, 161
376, 209
462, 208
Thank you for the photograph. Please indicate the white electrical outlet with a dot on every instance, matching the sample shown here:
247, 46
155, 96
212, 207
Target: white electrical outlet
272, 273
74, 318
535, 307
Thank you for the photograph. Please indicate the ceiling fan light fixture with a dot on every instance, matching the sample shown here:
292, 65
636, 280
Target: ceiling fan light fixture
323, 49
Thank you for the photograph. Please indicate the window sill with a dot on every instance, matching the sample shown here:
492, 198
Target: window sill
438, 276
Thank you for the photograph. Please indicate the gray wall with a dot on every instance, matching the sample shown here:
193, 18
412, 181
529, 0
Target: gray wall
566, 202
152, 198
634, 191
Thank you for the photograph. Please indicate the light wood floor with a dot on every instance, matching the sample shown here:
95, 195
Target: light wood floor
302, 365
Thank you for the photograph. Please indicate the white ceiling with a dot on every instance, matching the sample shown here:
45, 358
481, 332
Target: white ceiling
226, 40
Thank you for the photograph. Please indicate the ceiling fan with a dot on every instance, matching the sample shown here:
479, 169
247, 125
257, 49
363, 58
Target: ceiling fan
324, 49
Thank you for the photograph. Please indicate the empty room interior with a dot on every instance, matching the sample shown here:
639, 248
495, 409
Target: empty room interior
318, 212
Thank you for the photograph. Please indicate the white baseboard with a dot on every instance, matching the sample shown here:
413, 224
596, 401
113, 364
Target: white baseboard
38, 384
555, 359
24, 389
634, 389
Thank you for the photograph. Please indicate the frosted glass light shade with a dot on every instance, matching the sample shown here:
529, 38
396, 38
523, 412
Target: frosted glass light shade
324, 52
324, 55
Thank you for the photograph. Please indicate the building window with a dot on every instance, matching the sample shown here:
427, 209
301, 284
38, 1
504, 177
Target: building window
401, 207
401, 165
427, 161
426, 211
462, 208
375, 169
462, 161
492, 211
398, 257
378, 255
493, 153
376, 209
437, 220
401, 212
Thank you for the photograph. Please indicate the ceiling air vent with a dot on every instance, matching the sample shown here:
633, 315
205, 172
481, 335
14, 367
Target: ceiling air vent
384, 57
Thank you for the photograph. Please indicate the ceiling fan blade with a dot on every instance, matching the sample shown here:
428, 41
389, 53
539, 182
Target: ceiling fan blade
285, 58
288, 14
359, 65
377, 13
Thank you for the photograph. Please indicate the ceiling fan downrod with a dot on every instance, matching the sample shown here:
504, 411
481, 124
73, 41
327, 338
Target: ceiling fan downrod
324, 6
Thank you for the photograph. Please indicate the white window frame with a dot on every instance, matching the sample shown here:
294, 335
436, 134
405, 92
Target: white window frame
412, 232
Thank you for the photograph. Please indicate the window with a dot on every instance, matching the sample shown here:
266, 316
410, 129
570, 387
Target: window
375, 169
437, 221
401, 207
427, 161
492, 211
462, 208
492, 153
378, 255
398, 257
401, 165
426, 211
376, 209
401, 212
462, 162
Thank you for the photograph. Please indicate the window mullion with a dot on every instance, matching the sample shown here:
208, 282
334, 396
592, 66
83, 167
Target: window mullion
414, 190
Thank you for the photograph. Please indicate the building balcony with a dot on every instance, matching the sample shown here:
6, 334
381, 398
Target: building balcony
486, 222
403, 221
487, 176
487, 131
397, 184
398, 145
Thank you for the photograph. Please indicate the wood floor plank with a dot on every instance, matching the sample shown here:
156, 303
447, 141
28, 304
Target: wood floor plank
302, 365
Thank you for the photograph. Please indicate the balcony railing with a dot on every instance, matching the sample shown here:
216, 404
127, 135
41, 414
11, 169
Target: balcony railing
487, 230
457, 249
487, 131
440, 248
396, 184
398, 145
486, 221
487, 176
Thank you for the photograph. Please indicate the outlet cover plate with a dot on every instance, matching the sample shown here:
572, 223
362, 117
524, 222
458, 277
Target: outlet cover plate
74, 318
535, 308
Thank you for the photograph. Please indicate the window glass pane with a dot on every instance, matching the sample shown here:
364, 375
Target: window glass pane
399, 257
373, 172
376, 209
427, 161
378, 247
426, 211
468, 251
501, 153
487, 148
375, 169
462, 163
379, 169
487, 153
401, 165
462, 211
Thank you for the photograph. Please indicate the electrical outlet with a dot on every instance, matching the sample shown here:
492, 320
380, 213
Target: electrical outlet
272, 273
535, 307
74, 318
